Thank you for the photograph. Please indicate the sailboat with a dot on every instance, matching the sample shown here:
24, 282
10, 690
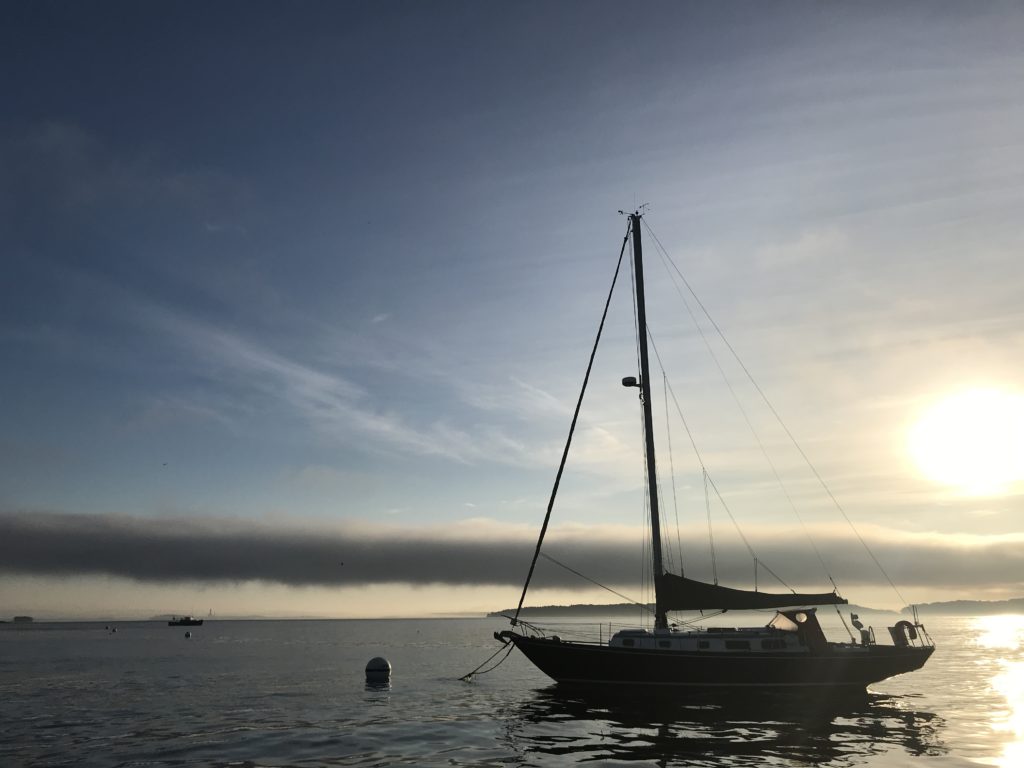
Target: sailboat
790, 651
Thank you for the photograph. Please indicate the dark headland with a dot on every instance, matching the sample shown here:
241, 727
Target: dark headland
617, 609
971, 607
945, 608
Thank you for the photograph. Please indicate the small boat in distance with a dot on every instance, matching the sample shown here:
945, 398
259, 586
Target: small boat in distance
790, 651
184, 621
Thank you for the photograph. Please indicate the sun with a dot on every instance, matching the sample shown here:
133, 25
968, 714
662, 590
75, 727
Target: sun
972, 440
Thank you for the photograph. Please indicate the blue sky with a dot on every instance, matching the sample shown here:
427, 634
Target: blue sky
338, 266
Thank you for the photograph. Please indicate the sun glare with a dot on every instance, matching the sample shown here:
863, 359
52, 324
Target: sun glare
1001, 631
973, 441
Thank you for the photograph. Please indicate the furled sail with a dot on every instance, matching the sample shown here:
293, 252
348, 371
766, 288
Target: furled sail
678, 593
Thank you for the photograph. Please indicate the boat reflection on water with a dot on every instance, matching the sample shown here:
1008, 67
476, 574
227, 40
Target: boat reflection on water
752, 729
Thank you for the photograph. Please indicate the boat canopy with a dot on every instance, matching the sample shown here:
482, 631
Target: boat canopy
678, 593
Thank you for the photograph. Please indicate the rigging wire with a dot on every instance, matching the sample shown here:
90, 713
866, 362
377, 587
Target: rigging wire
757, 561
848, 630
572, 429
672, 471
667, 554
749, 423
700, 460
778, 418
628, 599
711, 534
699, 619
647, 586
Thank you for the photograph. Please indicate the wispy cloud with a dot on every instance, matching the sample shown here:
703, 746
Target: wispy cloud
327, 400
491, 423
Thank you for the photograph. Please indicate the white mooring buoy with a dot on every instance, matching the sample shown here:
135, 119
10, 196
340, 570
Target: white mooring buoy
378, 671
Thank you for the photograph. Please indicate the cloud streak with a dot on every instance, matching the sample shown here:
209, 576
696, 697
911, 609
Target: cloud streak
325, 399
170, 551
334, 404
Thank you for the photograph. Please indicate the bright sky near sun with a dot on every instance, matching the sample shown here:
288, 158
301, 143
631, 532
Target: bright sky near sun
310, 288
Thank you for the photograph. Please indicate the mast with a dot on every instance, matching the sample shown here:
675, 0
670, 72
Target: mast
660, 620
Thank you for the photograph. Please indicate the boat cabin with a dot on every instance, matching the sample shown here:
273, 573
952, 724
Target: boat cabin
791, 631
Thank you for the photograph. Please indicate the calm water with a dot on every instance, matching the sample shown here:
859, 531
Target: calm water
293, 693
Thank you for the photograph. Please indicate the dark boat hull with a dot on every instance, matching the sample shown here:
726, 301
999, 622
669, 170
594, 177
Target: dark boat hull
593, 664
185, 623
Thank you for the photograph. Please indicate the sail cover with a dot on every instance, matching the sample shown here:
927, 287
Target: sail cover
678, 593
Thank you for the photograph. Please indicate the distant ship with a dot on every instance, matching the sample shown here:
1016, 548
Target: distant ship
185, 621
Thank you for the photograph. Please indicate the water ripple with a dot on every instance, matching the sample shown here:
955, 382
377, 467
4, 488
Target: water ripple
257, 694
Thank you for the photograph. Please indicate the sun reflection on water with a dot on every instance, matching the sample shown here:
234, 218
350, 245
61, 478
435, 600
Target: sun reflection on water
1006, 633
1001, 631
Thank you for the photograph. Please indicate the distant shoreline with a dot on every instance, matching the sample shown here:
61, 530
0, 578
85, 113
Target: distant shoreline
947, 608
971, 607
630, 610
627, 609
226, 619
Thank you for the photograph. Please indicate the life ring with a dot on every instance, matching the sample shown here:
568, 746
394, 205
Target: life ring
907, 628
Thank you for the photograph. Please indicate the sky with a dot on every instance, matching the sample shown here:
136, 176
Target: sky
297, 300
